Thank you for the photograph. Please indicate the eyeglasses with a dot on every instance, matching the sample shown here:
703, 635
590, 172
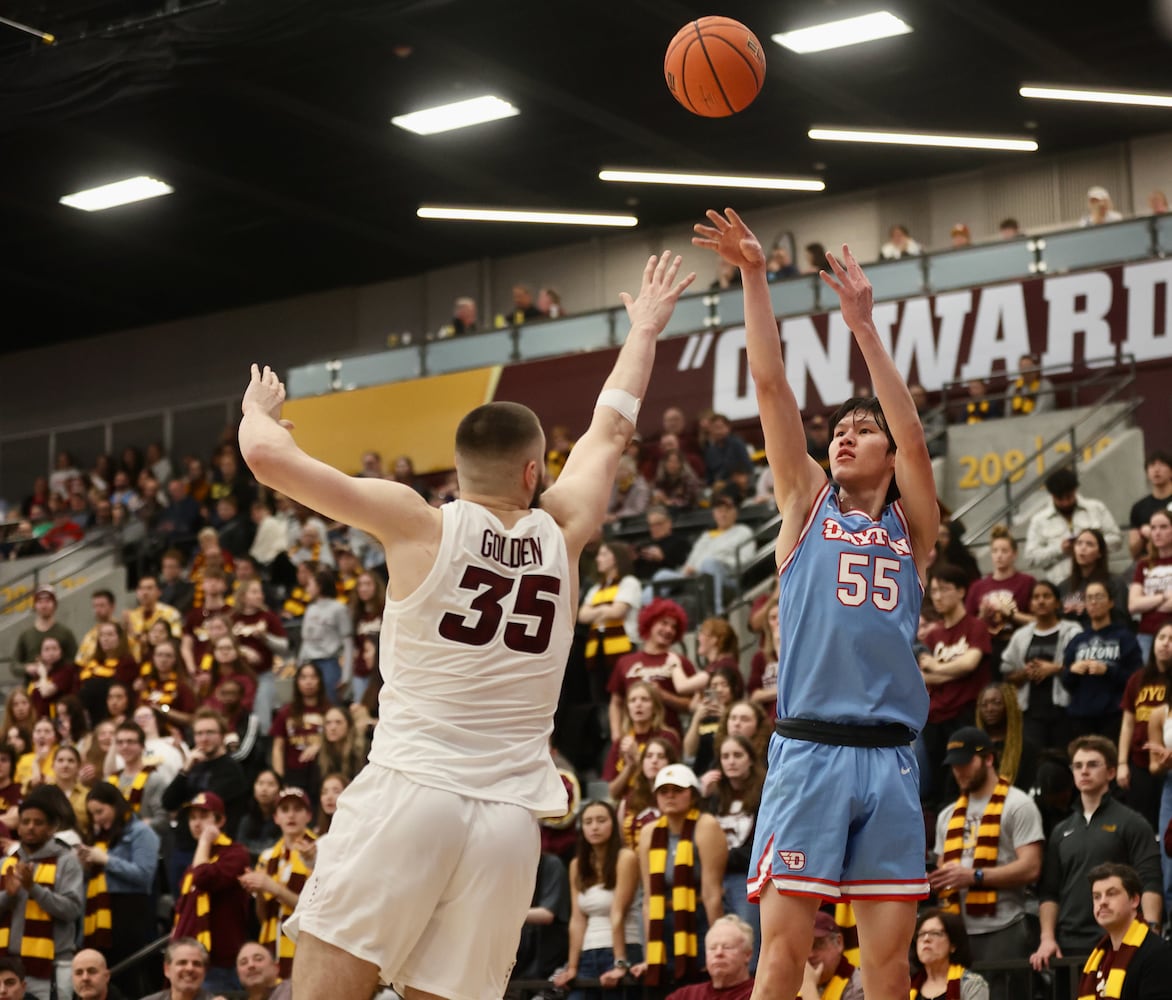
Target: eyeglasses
931, 934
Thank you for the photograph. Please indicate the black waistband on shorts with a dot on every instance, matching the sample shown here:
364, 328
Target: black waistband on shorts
888, 734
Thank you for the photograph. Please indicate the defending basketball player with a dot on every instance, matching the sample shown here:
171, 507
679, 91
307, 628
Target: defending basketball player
427, 874
840, 815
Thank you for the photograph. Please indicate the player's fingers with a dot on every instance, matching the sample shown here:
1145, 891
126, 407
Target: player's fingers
718, 220
684, 283
830, 281
704, 230
734, 218
835, 266
649, 270
626, 300
673, 269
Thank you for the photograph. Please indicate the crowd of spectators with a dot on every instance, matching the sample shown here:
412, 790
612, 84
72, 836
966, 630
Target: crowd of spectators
180, 757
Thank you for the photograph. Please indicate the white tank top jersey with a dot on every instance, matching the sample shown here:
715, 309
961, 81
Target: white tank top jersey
472, 662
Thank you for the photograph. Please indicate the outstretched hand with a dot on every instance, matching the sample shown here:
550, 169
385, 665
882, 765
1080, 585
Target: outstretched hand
659, 293
265, 392
729, 237
852, 288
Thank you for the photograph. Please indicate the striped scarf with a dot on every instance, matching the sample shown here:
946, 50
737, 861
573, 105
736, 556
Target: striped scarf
844, 916
98, 921
286, 866
203, 903
37, 948
978, 902
951, 993
165, 690
610, 637
346, 585
105, 668
839, 981
683, 902
134, 795
294, 605
1114, 971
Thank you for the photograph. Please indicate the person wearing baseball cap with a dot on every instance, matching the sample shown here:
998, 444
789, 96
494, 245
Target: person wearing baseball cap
985, 879
28, 643
1099, 210
211, 885
699, 851
281, 871
828, 973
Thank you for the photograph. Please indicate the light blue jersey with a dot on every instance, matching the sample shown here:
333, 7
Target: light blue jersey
850, 607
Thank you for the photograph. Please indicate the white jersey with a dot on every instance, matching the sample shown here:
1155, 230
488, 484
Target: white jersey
473, 661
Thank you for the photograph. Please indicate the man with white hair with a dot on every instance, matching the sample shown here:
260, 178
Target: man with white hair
728, 946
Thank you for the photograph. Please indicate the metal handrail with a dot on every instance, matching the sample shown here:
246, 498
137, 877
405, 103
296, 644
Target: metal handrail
974, 534
107, 540
146, 951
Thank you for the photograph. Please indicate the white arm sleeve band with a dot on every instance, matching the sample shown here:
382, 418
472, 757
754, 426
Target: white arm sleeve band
622, 402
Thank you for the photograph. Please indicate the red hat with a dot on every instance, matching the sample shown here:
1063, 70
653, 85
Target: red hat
209, 801
292, 792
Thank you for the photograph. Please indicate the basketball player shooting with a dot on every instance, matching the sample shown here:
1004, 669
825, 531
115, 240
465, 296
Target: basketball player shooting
428, 872
840, 814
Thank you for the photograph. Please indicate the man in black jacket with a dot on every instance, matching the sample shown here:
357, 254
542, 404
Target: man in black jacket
208, 769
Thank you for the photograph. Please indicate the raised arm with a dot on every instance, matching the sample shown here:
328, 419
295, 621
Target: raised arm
797, 478
913, 465
390, 511
577, 501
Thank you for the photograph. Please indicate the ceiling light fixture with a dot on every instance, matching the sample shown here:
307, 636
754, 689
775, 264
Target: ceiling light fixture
1048, 93
456, 213
461, 114
924, 139
712, 180
849, 31
119, 193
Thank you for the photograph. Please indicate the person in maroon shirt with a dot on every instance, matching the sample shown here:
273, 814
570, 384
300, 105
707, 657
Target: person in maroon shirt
111, 663
161, 686
643, 719
262, 636
762, 685
955, 667
728, 946
51, 677
10, 791
661, 623
196, 639
214, 872
297, 730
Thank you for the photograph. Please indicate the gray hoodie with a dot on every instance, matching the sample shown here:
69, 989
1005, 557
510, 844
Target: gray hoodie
64, 902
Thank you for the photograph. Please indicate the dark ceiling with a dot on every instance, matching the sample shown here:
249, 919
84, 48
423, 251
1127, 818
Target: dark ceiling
270, 118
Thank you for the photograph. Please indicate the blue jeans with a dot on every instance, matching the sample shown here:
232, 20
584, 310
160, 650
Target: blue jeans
331, 673
1145, 641
736, 901
358, 686
596, 961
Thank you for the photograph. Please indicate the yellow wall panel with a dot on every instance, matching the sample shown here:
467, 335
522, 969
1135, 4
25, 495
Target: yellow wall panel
416, 418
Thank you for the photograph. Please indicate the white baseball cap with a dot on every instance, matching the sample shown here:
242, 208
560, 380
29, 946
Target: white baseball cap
678, 775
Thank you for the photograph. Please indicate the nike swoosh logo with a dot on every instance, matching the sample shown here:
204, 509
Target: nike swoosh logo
905, 770
1067, 833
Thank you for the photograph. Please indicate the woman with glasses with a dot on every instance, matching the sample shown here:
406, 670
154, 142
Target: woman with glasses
940, 958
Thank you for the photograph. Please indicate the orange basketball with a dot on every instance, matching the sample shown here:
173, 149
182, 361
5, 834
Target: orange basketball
714, 66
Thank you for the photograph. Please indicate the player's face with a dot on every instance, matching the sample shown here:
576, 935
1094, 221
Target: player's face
640, 707
1114, 908
1002, 555
1092, 776
946, 597
734, 762
932, 943
596, 825
742, 721
859, 450
654, 761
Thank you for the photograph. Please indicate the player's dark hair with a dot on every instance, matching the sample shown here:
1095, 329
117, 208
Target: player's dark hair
584, 852
497, 430
868, 406
1115, 869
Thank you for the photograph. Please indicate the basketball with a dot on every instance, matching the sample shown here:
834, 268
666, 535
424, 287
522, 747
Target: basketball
714, 67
